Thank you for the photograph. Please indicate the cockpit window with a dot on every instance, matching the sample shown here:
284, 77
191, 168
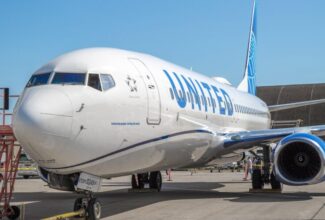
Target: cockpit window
39, 79
94, 82
69, 78
107, 81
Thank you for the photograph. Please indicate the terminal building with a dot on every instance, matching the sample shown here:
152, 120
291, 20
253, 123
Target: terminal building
304, 116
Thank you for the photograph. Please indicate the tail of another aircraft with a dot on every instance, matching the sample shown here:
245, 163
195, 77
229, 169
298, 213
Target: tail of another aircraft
248, 82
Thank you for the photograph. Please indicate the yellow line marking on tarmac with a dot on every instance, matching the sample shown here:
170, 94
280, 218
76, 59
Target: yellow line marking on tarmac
79, 213
21, 168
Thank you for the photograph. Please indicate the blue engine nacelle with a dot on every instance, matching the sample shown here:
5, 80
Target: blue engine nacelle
299, 159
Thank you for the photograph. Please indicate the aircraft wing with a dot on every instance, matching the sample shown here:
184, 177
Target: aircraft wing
273, 108
243, 140
248, 139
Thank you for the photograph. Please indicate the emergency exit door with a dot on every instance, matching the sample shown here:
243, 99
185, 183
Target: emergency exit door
153, 98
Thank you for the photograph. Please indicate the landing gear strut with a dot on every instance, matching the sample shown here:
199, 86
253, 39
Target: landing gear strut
91, 205
138, 181
262, 174
154, 180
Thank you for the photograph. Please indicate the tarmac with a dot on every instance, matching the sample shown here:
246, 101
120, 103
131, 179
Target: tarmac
203, 195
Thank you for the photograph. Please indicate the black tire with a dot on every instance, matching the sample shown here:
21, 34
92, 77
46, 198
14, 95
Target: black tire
138, 184
77, 204
141, 181
134, 182
155, 180
15, 213
257, 182
26, 177
94, 210
275, 184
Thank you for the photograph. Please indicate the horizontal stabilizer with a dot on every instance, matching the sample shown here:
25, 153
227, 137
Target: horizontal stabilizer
274, 108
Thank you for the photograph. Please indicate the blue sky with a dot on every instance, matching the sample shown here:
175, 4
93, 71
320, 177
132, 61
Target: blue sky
210, 36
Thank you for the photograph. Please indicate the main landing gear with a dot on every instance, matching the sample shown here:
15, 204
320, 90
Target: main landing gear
154, 180
262, 173
90, 205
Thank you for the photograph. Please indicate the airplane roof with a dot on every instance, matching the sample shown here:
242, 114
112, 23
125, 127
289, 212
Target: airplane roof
80, 61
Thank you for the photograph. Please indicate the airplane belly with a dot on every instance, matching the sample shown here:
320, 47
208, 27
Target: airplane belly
151, 155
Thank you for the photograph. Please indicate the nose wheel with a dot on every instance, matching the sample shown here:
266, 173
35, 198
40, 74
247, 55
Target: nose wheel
94, 209
91, 206
15, 213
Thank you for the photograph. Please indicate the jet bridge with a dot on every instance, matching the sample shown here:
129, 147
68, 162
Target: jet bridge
308, 115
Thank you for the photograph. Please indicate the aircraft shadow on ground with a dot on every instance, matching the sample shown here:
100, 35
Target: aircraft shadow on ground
118, 201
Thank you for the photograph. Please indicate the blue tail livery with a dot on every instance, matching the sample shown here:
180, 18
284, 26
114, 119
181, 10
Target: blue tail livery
248, 83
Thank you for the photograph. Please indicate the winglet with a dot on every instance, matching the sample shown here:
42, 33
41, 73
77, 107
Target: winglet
248, 82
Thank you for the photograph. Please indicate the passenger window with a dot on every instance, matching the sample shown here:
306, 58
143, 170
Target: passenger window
94, 82
107, 81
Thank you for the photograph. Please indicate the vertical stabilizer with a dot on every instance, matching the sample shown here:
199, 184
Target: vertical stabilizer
248, 82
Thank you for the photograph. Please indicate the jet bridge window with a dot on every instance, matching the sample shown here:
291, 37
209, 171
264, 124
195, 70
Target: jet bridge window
69, 78
94, 82
39, 79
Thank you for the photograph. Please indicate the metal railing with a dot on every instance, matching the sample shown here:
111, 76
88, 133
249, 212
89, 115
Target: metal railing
287, 123
9, 157
5, 110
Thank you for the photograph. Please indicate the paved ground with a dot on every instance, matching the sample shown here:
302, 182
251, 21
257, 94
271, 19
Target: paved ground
201, 196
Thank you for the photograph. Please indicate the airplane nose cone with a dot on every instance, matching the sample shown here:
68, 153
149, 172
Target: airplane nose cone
45, 111
42, 123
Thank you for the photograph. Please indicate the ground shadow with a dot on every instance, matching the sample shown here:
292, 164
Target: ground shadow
119, 201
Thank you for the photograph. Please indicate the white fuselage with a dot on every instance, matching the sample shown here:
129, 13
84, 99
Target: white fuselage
143, 123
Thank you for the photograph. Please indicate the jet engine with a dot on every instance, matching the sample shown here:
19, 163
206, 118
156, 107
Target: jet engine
299, 159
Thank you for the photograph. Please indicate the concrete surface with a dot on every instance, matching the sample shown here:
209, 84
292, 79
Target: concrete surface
201, 196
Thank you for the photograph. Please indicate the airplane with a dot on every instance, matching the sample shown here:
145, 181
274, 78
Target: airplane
101, 113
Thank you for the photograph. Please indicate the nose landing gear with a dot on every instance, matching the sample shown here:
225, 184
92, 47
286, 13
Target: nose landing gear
91, 206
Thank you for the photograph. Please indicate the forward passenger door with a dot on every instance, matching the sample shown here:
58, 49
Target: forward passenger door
153, 97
